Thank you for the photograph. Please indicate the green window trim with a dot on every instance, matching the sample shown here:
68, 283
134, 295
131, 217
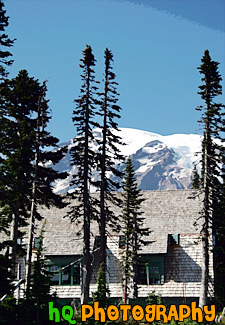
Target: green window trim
154, 274
151, 273
73, 278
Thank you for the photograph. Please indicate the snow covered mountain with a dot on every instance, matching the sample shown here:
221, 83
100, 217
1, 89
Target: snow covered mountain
161, 162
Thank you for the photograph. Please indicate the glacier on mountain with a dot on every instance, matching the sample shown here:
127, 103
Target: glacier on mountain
160, 162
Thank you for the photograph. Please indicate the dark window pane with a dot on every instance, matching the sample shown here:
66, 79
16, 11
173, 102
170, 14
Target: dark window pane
55, 275
154, 275
142, 275
97, 242
76, 274
66, 276
36, 242
122, 241
174, 239
149, 273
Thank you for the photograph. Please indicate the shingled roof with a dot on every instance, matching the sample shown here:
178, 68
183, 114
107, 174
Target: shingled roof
165, 212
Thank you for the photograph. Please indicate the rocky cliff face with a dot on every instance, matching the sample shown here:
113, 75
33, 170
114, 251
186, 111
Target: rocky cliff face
156, 168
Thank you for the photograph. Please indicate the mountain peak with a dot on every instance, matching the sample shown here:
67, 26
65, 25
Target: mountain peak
161, 162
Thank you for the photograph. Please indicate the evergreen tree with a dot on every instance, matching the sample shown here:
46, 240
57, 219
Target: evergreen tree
132, 228
15, 150
34, 309
219, 242
5, 265
40, 286
43, 177
196, 181
19, 107
212, 121
108, 155
102, 291
40, 115
83, 158
5, 42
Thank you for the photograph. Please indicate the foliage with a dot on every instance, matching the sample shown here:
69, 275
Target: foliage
32, 310
108, 154
40, 288
5, 42
83, 157
20, 101
5, 60
219, 253
132, 227
213, 122
5, 265
154, 299
8, 310
102, 292
196, 181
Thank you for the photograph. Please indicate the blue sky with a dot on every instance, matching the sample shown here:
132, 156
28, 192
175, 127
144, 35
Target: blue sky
157, 47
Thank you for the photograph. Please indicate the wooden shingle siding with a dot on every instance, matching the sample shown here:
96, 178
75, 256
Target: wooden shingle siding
165, 212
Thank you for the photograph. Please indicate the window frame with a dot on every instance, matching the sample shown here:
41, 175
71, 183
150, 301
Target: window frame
148, 263
97, 242
36, 242
173, 240
60, 274
151, 265
122, 241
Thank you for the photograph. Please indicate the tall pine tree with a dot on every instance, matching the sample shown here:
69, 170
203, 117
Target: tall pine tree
20, 103
132, 229
5, 60
109, 154
83, 158
213, 122
219, 249
43, 177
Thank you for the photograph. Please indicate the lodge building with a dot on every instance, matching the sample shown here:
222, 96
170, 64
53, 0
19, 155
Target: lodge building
171, 262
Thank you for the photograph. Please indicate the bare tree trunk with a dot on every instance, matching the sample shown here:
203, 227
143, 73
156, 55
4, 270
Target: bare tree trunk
205, 267
135, 288
30, 242
14, 237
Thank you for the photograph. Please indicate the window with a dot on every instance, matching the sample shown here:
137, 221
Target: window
19, 241
142, 274
173, 239
55, 274
150, 273
76, 274
97, 242
154, 274
68, 276
36, 242
121, 241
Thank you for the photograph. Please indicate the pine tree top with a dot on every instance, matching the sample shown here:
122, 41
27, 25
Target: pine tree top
211, 79
4, 42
